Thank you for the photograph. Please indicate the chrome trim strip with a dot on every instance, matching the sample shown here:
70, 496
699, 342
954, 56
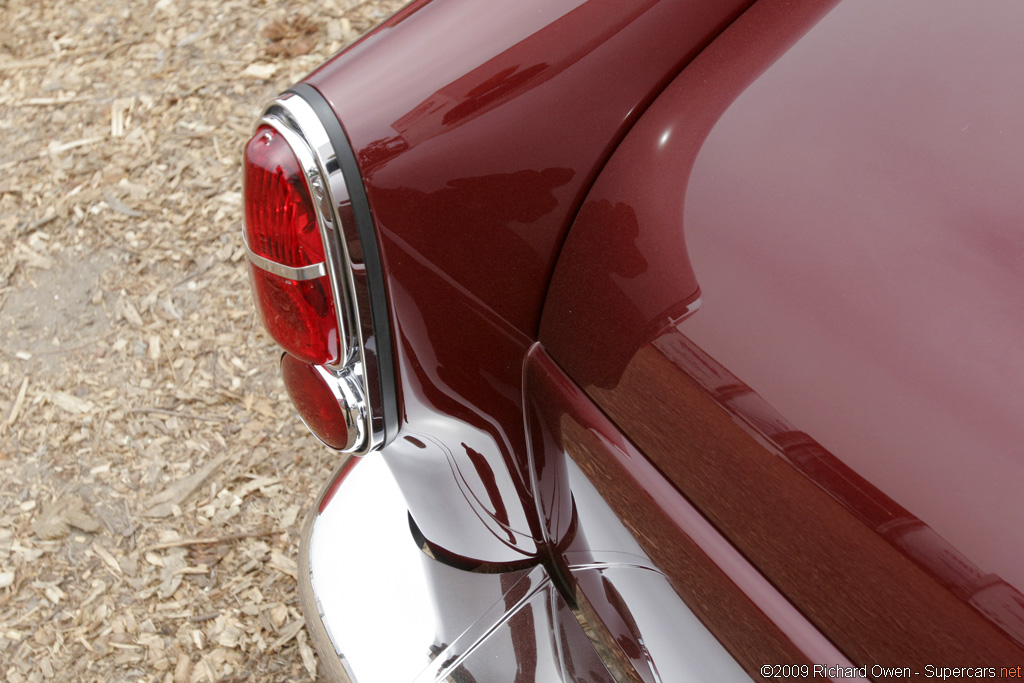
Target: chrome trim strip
359, 233
288, 272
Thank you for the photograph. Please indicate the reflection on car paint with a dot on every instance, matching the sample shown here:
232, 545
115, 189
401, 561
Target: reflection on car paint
599, 477
995, 598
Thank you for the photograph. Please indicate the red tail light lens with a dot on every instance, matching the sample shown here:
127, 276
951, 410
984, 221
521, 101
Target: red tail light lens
289, 278
321, 403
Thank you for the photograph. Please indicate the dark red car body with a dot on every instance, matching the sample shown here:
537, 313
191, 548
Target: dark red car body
756, 270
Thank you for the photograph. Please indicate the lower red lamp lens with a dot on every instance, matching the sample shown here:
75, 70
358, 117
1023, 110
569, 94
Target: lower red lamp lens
323, 412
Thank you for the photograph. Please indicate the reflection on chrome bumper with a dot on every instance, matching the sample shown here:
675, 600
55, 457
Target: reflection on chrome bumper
362, 593
380, 609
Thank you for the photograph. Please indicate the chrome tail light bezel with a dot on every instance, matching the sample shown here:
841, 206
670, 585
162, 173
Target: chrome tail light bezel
363, 378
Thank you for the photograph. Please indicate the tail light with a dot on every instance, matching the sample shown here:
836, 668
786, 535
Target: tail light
287, 264
304, 285
328, 408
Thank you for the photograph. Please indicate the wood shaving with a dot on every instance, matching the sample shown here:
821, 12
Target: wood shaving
292, 37
57, 519
152, 468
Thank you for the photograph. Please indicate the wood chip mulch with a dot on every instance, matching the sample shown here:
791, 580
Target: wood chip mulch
153, 474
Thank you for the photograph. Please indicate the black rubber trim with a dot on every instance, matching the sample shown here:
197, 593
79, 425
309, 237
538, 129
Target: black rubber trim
371, 252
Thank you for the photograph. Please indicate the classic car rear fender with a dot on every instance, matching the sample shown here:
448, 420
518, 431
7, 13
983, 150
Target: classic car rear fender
478, 129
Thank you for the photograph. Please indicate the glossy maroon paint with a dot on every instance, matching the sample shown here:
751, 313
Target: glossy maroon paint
475, 161
827, 362
624, 271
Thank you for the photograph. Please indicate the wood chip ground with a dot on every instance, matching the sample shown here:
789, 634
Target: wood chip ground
153, 474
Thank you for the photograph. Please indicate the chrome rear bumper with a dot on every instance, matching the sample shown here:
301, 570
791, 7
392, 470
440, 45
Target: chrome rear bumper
380, 609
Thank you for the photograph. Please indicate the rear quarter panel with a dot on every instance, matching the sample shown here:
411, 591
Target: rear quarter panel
810, 320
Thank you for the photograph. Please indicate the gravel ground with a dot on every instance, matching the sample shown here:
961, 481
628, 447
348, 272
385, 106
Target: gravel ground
153, 474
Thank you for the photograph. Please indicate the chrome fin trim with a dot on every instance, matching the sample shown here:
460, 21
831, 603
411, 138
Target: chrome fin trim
361, 230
